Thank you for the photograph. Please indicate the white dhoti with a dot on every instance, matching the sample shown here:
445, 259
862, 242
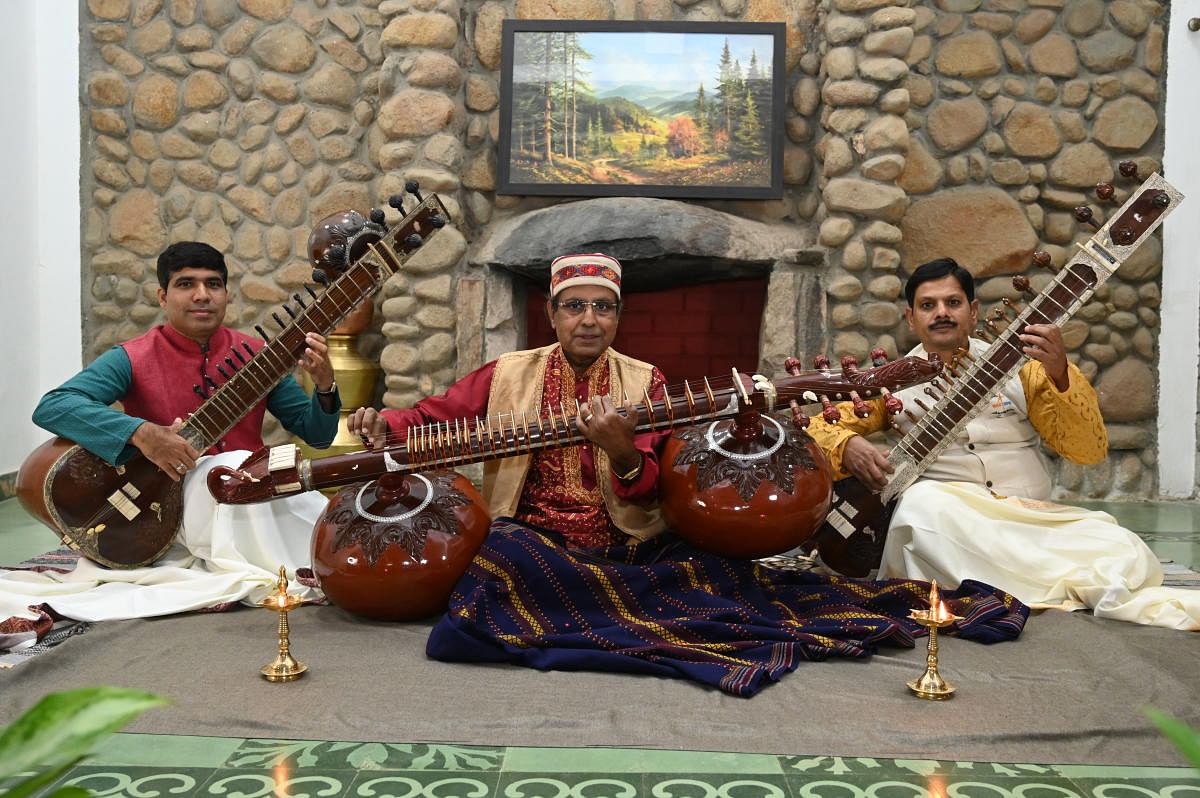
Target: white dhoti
1045, 554
223, 553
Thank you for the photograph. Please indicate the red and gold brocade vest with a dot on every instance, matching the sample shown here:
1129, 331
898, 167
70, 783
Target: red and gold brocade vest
517, 382
166, 364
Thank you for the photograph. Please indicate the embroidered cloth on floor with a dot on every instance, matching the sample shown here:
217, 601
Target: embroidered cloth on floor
661, 607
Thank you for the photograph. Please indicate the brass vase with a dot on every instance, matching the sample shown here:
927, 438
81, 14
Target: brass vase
356, 378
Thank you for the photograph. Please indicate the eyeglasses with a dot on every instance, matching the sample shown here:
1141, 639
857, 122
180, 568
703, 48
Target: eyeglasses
602, 307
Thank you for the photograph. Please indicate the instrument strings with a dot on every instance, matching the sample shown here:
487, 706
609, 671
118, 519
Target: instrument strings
541, 420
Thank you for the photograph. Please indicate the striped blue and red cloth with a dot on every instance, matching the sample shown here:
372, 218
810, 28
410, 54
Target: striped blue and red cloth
662, 607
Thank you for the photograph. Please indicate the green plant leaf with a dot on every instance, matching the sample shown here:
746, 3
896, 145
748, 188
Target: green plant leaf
70, 792
64, 726
1185, 738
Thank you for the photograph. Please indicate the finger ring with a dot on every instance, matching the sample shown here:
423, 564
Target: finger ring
181, 468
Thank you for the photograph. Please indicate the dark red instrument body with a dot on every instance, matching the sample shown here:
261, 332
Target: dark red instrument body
745, 488
393, 549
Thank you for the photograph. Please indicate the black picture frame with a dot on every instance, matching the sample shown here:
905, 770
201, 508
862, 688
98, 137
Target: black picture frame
628, 149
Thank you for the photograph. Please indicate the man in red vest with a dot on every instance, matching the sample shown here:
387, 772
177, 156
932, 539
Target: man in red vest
223, 553
162, 376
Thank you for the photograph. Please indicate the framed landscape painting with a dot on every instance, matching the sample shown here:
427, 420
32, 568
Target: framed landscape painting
645, 109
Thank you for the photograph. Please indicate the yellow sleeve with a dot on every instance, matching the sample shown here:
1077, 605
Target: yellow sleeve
832, 437
1069, 421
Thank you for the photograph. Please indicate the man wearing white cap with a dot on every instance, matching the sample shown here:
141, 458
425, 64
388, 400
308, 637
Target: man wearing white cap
600, 493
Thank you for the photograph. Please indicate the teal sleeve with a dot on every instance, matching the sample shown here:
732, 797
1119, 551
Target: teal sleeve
79, 408
302, 415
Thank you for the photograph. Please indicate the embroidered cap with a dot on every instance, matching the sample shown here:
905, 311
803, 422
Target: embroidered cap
593, 268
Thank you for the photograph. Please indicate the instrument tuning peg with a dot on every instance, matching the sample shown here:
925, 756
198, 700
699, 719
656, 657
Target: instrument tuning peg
932, 394
1105, 191
311, 292
222, 372
377, 215
921, 403
1010, 305
210, 382
821, 362
829, 413
1085, 215
849, 365
935, 360
437, 221
991, 325
792, 366
891, 403
860, 407
239, 356
984, 334
249, 351
1022, 284
258, 329
229, 362
1042, 259
396, 201
413, 187
1129, 169
413, 240
320, 277
278, 320
799, 418
199, 391
290, 312
878, 356
299, 300
911, 417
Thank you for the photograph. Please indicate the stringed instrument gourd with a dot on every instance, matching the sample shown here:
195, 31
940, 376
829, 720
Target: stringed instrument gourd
392, 545
127, 515
852, 538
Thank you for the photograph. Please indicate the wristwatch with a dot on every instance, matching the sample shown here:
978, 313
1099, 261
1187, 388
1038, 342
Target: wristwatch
330, 392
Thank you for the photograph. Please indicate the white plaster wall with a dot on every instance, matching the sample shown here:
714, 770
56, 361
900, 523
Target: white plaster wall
39, 213
1179, 342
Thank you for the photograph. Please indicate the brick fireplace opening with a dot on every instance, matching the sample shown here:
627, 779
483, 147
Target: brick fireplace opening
689, 332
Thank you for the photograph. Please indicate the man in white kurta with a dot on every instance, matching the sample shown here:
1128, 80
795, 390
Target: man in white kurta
981, 510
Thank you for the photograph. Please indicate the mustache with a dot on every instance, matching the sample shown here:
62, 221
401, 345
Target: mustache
943, 325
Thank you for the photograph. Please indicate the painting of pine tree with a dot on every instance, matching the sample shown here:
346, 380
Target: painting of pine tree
638, 108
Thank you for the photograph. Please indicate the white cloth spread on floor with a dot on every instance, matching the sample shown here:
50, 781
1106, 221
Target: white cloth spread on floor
223, 553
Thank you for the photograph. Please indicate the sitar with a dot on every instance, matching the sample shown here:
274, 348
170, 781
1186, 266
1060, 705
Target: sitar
393, 543
127, 515
853, 536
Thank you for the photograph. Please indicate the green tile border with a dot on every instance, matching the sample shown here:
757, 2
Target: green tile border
163, 750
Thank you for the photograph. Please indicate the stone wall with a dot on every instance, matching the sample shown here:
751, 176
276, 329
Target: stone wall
964, 127
971, 128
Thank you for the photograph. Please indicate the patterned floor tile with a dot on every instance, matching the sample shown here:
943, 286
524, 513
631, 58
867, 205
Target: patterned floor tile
575, 785
281, 782
258, 754
425, 783
1184, 783
130, 781
960, 784
634, 760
